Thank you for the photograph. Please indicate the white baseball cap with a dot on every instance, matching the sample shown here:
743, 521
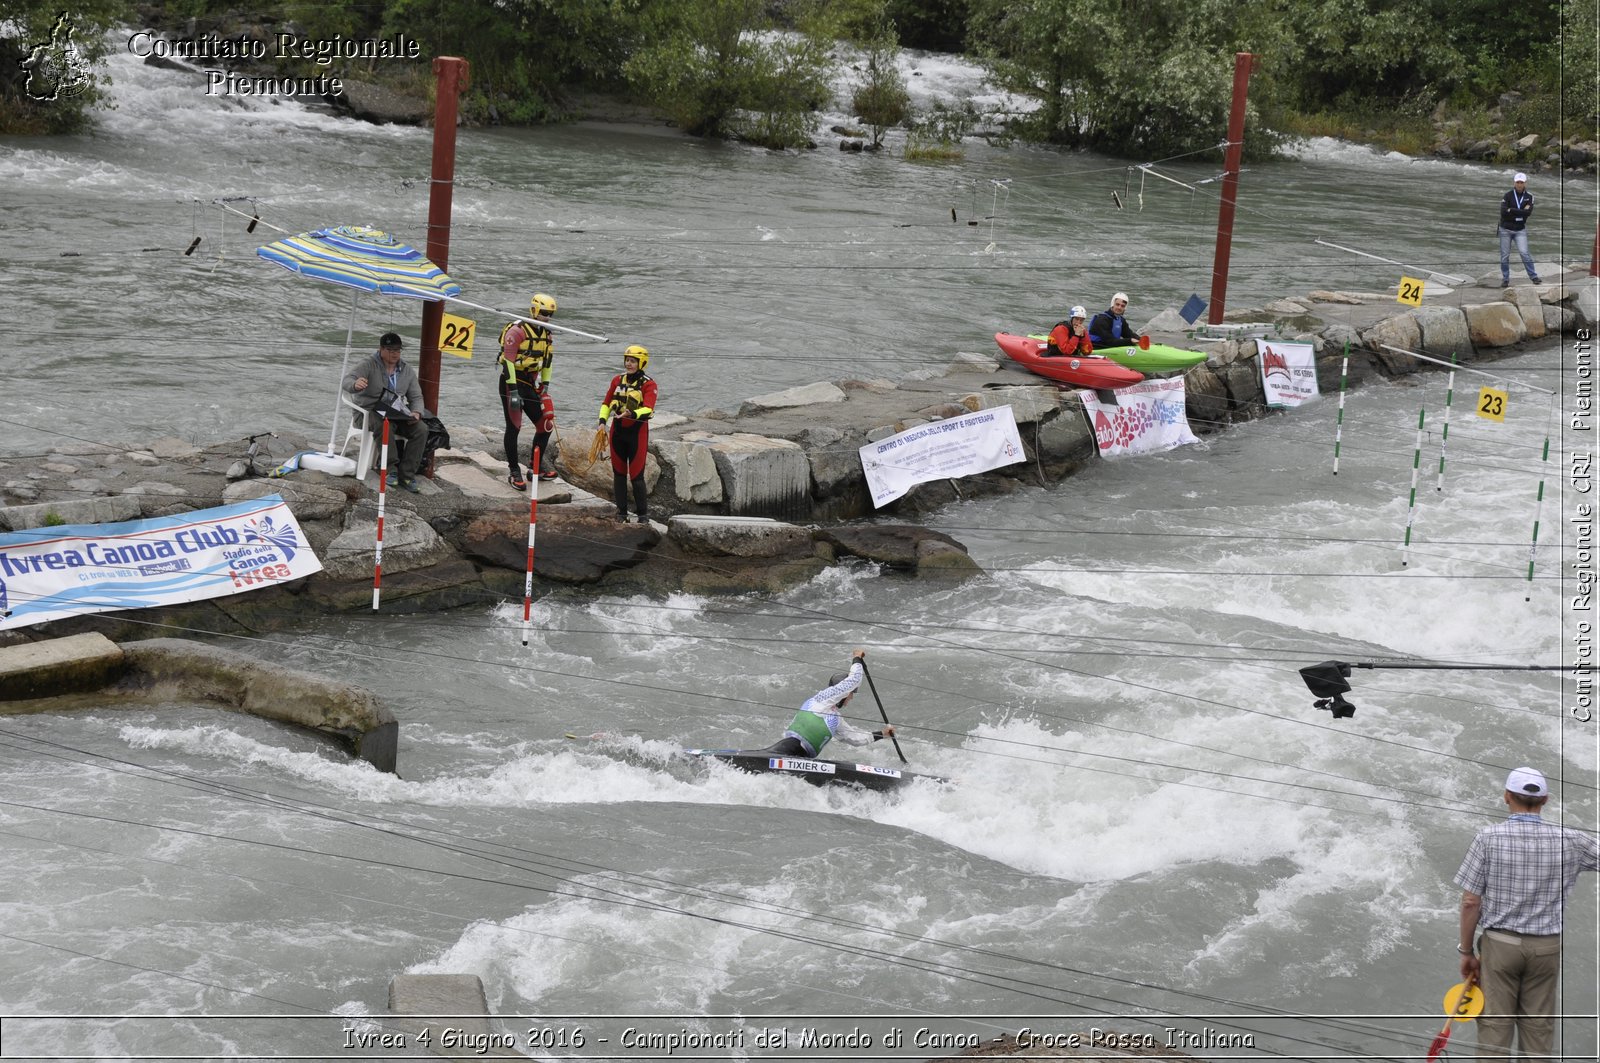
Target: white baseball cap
1520, 177
1527, 782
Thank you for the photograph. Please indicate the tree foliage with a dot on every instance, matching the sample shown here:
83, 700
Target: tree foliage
880, 98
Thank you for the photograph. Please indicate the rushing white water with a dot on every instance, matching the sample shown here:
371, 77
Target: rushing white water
1147, 816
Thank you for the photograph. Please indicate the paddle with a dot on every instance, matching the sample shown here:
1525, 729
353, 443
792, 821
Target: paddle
1464, 1001
1144, 343
873, 687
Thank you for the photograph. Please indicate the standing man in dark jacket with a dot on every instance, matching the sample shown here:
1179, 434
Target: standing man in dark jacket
1110, 329
1515, 882
1515, 207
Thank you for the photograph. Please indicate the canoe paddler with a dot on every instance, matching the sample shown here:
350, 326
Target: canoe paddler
527, 353
818, 720
1070, 337
1110, 327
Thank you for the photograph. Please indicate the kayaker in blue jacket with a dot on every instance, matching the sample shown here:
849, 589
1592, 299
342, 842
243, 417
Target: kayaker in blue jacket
818, 720
1110, 329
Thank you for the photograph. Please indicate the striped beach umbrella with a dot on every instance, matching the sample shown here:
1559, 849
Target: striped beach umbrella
367, 260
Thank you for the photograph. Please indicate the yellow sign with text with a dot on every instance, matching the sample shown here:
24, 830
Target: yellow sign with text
455, 335
1492, 405
1410, 291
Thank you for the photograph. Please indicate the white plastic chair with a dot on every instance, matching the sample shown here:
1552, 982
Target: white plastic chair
367, 448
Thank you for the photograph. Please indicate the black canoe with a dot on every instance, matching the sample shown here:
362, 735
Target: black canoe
814, 771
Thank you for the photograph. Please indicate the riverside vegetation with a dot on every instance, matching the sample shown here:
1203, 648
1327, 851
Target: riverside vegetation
1473, 78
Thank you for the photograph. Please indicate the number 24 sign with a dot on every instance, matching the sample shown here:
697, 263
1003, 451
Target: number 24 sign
1492, 405
455, 335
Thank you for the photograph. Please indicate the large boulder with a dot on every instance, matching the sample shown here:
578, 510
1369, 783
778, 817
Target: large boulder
1028, 402
739, 536
1444, 332
574, 546
898, 546
409, 543
820, 393
1206, 399
1066, 436
1529, 306
1400, 331
1495, 324
762, 477
307, 501
76, 511
693, 469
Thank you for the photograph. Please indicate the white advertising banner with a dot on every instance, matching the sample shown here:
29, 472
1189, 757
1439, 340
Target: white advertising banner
958, 446
1147, 418
50, 573
1288, 372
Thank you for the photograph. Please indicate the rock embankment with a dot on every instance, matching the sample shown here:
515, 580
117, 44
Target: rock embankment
753, 499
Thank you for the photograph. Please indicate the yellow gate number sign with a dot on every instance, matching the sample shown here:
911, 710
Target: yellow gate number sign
1492, 405
455, 335
1410, 291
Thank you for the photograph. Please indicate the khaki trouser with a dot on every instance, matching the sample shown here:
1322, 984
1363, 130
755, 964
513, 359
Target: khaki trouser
1519, 978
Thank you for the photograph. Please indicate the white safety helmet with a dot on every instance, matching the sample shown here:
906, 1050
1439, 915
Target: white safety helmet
1078, 311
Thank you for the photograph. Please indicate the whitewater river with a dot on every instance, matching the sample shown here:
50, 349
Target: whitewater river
1152, 829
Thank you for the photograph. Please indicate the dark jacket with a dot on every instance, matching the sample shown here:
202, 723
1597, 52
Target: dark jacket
1514, 210
1101, 325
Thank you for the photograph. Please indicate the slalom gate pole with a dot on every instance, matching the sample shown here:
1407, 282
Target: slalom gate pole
383, 483
873, 687
533, 522
1338, 424
1538, 506
1444, 435
1411, 510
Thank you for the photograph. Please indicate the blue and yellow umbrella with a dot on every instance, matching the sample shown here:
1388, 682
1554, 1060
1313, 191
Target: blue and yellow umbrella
367, 260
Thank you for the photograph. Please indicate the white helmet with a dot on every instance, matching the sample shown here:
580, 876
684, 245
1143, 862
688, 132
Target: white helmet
1077, 311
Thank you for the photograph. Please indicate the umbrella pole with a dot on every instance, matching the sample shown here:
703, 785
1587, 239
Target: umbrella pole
338, 387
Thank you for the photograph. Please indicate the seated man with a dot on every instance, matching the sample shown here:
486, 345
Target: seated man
1110, 329
386, 386
818, 720
1070, 336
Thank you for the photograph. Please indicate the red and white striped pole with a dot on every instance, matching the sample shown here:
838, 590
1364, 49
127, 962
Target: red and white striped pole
383, 483
533, 524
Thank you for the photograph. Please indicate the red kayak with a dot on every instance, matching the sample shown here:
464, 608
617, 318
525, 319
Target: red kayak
1092, 371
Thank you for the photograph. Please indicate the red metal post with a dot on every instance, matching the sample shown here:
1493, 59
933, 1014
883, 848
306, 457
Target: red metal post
1243, 63
450, 77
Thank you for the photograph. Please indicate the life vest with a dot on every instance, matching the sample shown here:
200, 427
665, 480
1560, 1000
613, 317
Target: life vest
812, 729
534, 355
627, 398
1053, 349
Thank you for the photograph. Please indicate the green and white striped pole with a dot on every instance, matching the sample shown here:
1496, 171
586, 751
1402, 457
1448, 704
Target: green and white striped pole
1411, 510
1538, 506
1444, 434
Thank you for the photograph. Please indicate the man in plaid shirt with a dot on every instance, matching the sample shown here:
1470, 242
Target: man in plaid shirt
1515, 882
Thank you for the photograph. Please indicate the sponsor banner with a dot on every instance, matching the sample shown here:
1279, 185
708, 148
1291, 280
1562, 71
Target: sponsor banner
50, 573
1288, 372
942, 450
873, 769
1147, 418
791, 764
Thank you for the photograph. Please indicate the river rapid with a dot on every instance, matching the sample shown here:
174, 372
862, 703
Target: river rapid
1151, 829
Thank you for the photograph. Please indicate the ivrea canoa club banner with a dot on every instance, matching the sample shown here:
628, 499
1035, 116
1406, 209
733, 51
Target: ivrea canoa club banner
50, 573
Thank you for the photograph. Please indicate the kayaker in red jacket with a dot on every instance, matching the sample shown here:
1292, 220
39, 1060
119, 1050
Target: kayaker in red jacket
1070, 337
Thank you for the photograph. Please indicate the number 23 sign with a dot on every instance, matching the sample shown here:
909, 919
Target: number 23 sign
1492, 405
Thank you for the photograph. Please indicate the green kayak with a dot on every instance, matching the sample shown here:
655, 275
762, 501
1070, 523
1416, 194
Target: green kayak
1157, 358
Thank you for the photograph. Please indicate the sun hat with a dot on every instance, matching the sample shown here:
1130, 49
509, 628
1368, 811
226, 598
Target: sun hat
1527, 782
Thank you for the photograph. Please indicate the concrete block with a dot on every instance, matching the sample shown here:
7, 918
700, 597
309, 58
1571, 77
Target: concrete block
454, 1011
1444, 332
834, 466
1064, 437
70, 665
693, 468
1496, 324
762, 476
740, 536
78, 511
820, 393
1401, 331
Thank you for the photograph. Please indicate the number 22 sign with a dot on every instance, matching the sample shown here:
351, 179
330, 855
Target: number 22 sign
455, 335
